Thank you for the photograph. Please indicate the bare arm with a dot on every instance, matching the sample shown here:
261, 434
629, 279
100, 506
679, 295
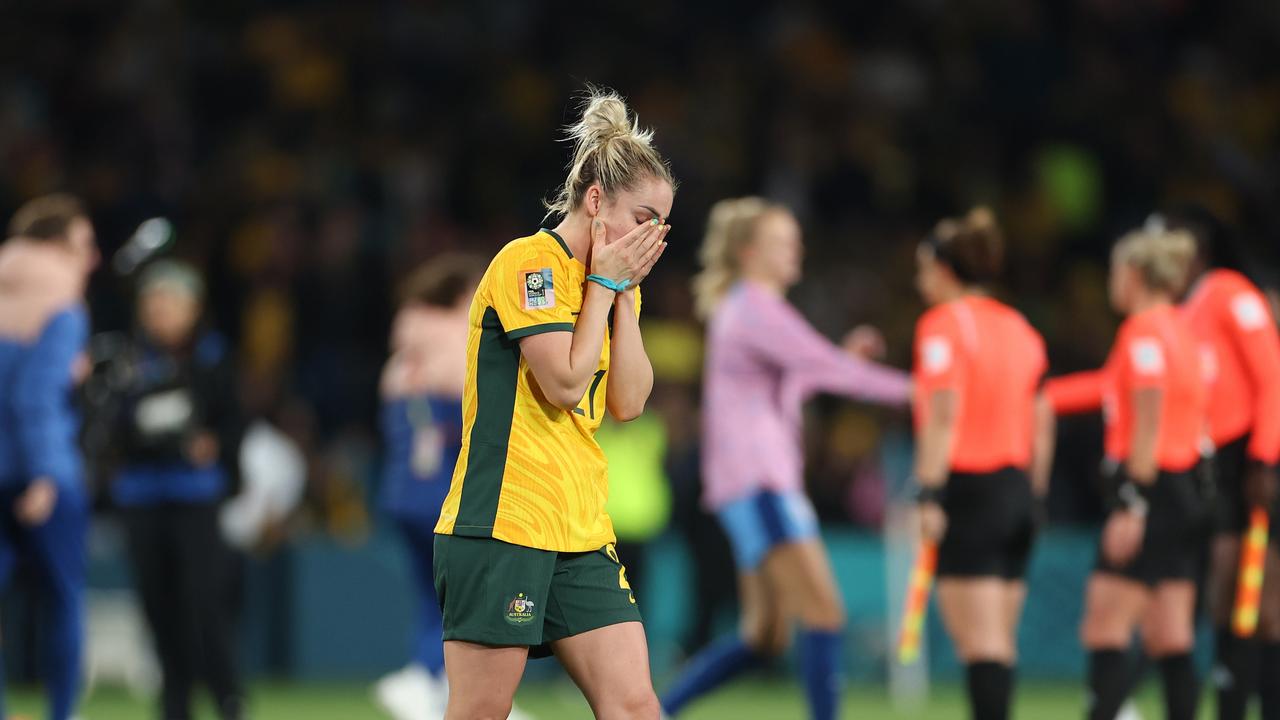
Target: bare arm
1142, 464
937, 436
1043, 445
629, 365
563, 363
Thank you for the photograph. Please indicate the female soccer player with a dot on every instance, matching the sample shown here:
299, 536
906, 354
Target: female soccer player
1240, 348
978, 367
763, 359
1154, 393
524, 559
44, 510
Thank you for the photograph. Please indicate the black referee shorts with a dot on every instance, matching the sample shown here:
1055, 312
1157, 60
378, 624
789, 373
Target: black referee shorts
1231, 511
1172, 547
990, 525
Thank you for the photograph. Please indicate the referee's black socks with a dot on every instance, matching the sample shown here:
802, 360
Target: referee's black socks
1235, 673
990, 686
1109, 677
1181, 691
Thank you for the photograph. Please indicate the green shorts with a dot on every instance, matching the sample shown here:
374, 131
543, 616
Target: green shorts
496, 593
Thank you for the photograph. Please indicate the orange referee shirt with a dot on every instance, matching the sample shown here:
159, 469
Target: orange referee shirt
994, 360
1153, 349
1240, 352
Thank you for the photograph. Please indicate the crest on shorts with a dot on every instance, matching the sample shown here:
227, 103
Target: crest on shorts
520, 610
539, 289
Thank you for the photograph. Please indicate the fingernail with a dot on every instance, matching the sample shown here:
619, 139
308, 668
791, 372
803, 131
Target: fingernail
653, 221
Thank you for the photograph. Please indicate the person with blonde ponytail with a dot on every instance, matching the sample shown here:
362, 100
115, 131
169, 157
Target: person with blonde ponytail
524, 552
1153, 390
763, 360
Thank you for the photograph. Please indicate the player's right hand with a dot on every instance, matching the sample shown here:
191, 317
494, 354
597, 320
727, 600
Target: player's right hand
933, 522
629, 257
36, 503
866, 342
1122, 537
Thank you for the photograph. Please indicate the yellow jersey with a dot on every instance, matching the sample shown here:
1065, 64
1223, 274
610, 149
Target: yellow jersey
529, 473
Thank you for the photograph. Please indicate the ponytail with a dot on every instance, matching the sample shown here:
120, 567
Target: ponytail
609, 148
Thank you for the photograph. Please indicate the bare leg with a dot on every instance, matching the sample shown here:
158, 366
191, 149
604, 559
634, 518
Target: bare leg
482, 679
611, 666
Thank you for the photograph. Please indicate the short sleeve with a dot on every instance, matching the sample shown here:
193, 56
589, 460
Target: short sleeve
1249, 312
938, 358
1144, 358
521, 287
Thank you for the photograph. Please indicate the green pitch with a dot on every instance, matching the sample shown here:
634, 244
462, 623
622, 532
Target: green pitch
753, 701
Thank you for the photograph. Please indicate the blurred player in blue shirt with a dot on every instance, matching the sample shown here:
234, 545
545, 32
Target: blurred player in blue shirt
44, 511
422, 436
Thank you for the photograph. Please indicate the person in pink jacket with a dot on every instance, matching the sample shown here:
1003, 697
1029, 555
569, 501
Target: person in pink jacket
763, 361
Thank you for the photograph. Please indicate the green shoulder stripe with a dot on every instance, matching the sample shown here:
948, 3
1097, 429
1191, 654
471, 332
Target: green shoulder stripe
539, 329
497, 372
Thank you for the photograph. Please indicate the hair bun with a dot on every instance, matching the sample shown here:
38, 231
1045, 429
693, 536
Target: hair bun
606, 117
981, 220
609, 148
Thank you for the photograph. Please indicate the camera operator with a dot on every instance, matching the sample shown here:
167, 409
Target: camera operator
176, 440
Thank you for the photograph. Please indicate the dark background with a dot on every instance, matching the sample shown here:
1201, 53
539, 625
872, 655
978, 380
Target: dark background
311, 153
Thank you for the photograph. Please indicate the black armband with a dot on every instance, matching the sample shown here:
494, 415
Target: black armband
1131, 496
929, 494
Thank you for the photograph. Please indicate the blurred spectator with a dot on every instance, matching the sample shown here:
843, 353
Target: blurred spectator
178, 437
421, 394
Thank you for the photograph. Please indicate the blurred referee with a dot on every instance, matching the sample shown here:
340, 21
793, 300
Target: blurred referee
178, 437
43, 505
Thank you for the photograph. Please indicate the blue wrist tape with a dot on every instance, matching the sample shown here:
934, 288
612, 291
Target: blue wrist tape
606, 282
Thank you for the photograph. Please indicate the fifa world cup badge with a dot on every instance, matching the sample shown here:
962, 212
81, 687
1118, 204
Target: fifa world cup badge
539, 290
520, 610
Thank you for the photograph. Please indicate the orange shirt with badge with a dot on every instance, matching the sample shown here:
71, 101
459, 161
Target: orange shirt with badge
1153, 349
992, 358
1240, 352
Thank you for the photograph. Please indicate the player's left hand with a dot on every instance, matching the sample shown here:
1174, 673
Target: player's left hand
933, 522
36, 503
866, 342
1122, 537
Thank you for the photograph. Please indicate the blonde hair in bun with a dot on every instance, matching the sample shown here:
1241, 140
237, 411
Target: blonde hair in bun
1162, 256
610, 148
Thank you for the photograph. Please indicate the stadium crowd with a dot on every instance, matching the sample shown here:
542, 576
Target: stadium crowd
306, 171
310, 154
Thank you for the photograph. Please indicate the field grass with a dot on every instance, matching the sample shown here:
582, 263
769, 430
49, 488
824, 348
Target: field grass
557, 701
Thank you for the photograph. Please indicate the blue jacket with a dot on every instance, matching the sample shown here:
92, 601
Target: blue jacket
171, 396
39, 423
422, 436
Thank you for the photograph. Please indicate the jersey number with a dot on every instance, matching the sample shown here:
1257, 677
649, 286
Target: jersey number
591, 397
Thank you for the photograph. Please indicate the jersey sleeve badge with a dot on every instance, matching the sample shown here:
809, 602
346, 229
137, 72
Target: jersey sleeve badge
539, 289
1147, 356
936, 354
1248, 311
